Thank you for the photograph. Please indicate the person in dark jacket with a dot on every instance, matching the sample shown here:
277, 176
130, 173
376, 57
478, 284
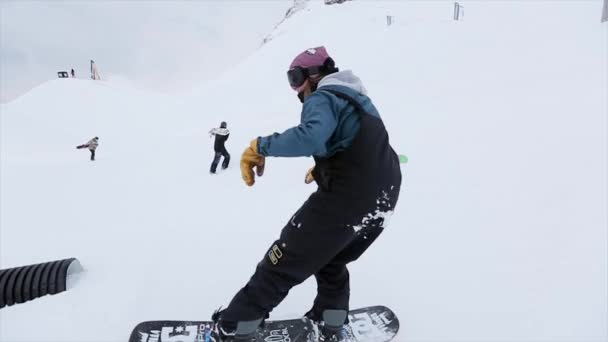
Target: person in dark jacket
358, 181
221, 135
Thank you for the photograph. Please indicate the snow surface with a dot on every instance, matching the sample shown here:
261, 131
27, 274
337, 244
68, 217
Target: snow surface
501, 229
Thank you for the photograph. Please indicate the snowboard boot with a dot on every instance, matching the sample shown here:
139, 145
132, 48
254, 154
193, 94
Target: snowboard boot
227, 331
226, 162
331, 324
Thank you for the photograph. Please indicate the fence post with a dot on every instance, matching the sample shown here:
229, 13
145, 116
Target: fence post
458, 11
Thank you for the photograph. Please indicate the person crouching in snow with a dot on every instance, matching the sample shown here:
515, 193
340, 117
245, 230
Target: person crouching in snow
358, 181
221, 135
91, 145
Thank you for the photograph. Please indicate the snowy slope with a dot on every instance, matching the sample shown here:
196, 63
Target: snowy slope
499, 235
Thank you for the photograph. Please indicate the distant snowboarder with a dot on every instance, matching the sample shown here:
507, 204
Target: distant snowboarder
73, 73
358, 180
91, 145
221, 135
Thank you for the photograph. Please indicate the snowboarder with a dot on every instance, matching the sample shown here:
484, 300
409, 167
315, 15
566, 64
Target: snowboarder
358, 182
221, 135
73, 73
91, 145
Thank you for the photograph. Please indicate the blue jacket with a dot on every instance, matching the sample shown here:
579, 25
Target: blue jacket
328, 124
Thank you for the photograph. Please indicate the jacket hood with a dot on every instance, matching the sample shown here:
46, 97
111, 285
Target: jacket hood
344, 78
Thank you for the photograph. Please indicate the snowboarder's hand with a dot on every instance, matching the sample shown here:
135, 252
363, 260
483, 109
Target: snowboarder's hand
309, 177
250, 159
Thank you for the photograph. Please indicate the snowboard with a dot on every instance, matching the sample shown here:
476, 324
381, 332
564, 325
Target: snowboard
367, 324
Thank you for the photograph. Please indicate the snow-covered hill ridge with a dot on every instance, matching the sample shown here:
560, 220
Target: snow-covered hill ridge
501, 226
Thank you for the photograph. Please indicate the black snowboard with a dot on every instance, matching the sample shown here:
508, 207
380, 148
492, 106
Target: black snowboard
369, 324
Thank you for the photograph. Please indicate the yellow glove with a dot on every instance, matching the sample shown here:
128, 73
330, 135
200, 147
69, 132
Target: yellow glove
309, 177
250, 159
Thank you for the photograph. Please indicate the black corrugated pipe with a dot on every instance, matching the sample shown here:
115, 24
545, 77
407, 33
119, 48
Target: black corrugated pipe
22, 284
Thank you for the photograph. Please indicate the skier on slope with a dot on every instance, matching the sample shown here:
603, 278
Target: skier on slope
358, 182
221, 135
91, 145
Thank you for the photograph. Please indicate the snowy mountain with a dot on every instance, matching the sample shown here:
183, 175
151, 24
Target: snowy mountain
162, 46
500, 233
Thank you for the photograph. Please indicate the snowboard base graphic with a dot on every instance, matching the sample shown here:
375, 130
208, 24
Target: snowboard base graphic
368, 324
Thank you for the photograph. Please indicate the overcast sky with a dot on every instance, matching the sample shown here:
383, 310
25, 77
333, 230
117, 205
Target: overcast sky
165, 45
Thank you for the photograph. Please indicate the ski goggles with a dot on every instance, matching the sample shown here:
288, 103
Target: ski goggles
298, 75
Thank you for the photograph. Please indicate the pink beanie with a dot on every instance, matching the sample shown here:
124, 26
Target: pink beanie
311, 57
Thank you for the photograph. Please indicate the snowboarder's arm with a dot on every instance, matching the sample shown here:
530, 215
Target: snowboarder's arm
219, 131
310, 137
